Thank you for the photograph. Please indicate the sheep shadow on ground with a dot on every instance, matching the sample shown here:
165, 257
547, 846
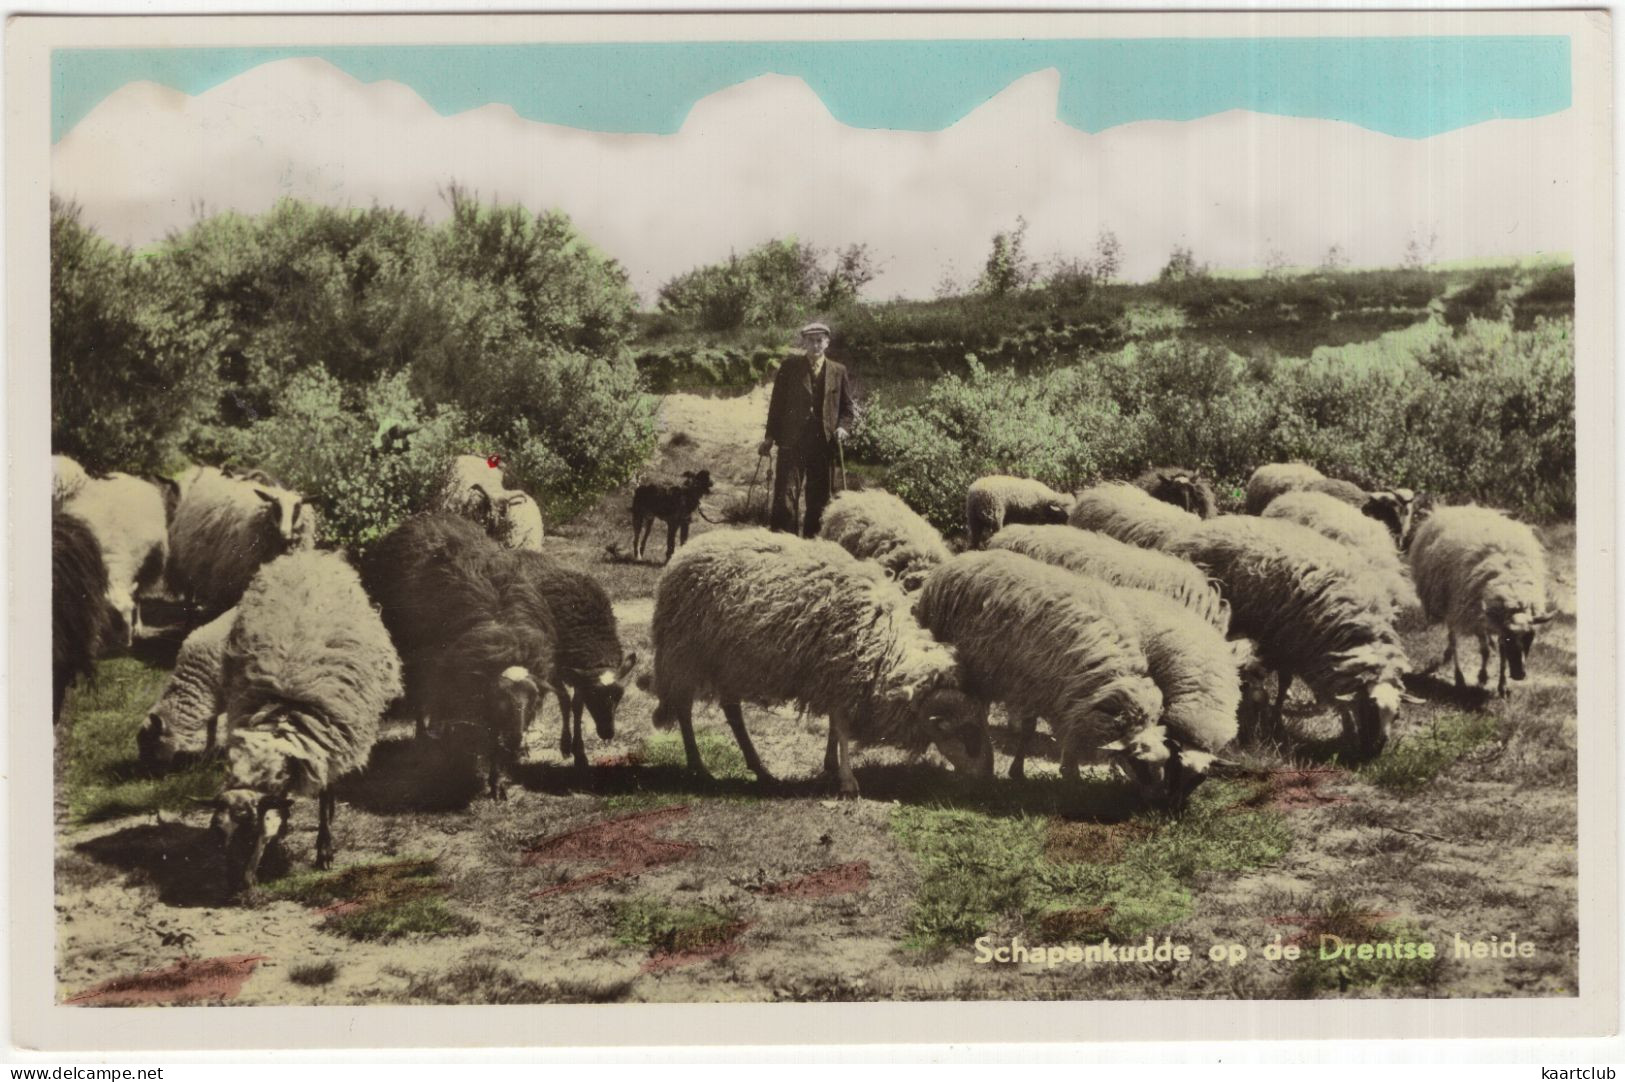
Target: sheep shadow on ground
185, 863
1444, 692
1093, 799
412, 775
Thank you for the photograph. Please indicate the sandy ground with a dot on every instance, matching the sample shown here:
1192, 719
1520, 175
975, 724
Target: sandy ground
817, 892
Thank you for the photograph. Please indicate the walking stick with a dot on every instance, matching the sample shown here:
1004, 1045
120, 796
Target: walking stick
840, 450
750, 493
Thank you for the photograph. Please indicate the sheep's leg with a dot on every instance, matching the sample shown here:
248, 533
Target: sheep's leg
843, 752
562, 692
578, 747
832, 760
1069, 755
1283, 684
324, 832
736, 722
691, 747
1501, 684
1484, 662
1018, 768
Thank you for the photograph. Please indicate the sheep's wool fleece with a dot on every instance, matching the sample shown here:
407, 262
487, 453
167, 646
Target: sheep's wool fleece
1084, 552
588, 639
192, 694
127, 516
877, 526
1269, 481
1131, 515
1364, 536
221, 536
753, 616
1194, 667
309, 673
1312, 606
1044, 641
1467, 558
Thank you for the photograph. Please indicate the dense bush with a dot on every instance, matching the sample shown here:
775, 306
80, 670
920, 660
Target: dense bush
778, 284
132, 353
1486, 414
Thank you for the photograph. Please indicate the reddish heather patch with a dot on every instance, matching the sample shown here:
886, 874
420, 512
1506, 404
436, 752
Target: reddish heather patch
341, 909
626, 845
631, 758
188, 981
836, 879
1296, 790
726, 942
1352, 926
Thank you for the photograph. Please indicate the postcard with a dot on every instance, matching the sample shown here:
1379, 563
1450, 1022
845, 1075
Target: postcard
811, 527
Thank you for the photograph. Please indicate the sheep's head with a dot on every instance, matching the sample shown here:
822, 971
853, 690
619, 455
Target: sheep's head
245, 821
1163, 770
1371, 711
602, 690
154, 743
1055, 512
513, 699
124, 612
1390, 509
1514, 629
958, 727
1183, 490
284, 513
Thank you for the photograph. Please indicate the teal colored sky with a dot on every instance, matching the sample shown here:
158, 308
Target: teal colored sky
1411, 87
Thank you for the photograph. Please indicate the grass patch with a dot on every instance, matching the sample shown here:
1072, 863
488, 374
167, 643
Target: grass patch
314, 974
1415, 760
1075, 879
1312, 974
651, 922
378, 901
103, 778
718, 752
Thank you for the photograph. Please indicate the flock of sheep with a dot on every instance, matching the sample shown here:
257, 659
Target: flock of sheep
1133, 618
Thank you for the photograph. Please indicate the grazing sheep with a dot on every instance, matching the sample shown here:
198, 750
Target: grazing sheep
877, 526
193, 696
225, 529
1112, 561
475, 636
1391, 506
309, 671
1483, 574
1131, 515
79, 613
1180, 487
1316, 612
992, 502
589, 670
1364, 536
522, 527
676, 504
1053, 644
127, 516
748, 615
67, 478
474, 489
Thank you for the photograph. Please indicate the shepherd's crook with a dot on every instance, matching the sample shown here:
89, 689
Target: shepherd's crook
840, 450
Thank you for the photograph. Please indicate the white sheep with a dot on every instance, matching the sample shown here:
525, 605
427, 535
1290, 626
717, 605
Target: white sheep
67, 478
1084, 552
752, 616
1131, 515
877, 526
127, 516
475, 489
309, 671
225, 528
1048, 643
1390, 506
193, 696
992, 502
523, 529
1315, 610
1483, 574
1364, 536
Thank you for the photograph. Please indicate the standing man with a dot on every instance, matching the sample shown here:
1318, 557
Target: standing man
808, 417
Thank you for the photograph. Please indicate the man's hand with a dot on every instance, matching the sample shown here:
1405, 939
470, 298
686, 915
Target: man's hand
764, 448
840, 434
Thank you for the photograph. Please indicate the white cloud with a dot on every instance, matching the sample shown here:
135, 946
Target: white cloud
765, 158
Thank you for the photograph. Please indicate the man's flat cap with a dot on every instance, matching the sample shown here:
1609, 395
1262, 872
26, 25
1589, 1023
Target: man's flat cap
815, 328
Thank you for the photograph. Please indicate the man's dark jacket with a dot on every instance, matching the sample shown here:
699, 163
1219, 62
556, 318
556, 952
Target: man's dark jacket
789, 412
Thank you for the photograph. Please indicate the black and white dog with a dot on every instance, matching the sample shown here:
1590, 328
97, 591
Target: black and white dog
674, 503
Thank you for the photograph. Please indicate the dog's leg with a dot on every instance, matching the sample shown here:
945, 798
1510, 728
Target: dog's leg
671, 538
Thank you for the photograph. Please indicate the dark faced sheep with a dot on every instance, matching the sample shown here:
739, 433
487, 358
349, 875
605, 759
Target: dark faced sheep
1361, 534
752, 616
1316, 612
309, 671
225, 529
1482, 574
1131, 515
474, 635
993, 502
80, 618
1180, 487
1390, 506
589, 669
